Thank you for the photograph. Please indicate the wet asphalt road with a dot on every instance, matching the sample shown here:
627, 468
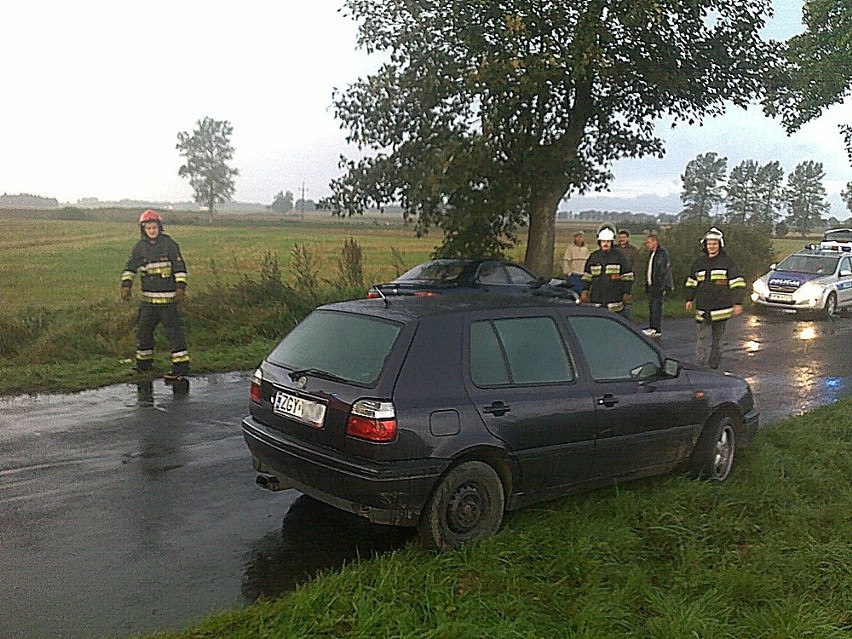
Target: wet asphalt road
133, 509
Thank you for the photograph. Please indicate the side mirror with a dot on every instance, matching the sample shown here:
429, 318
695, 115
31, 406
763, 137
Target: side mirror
845, 272
672, 367
773, 266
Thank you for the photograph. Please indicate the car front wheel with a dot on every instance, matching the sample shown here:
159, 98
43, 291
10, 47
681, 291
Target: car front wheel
713, 457
467, 505
830, 307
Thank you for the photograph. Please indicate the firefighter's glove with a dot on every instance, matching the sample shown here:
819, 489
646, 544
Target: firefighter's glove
180, 295
584, 296
627, 299
125, 293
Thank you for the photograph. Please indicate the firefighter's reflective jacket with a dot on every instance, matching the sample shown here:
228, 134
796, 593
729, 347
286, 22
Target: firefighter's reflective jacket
161, 269
715, 285
609, 278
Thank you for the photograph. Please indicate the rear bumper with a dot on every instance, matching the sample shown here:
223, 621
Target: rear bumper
383, 492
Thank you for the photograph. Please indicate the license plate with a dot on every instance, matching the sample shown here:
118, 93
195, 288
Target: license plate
780, 297
298, 408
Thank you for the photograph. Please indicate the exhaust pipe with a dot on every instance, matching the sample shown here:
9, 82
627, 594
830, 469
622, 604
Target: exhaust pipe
270, 482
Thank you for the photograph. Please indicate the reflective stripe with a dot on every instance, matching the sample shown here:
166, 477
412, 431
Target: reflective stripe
700, 275
145, 355
718, 274
691, 283
737, 282
628, 276
179, 357
721, 314
587, 277
180, 277
699, 316
616, 307
595, 269
613, 269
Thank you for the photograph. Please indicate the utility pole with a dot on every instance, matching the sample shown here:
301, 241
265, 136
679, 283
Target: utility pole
302, 201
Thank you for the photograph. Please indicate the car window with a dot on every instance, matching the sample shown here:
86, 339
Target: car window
840, 235
353, 347
519, 351
492, 273
518, 275
846, 264
612, 350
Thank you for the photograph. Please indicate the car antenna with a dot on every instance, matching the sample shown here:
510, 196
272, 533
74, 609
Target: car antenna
383, 296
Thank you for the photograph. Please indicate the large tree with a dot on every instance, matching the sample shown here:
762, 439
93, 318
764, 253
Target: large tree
754, 194
703, 186
805, 195
207, 151
486, 113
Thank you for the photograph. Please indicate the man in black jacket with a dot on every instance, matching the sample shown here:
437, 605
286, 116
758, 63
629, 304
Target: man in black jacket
658, 282
714, 288
157, 258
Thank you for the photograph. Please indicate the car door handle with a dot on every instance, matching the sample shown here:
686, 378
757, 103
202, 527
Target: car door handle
608, 400
497, 408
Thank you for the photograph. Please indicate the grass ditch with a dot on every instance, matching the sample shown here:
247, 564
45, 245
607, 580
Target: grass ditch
766, 555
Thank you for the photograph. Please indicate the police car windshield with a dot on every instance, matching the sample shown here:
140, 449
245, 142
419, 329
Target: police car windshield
813, 264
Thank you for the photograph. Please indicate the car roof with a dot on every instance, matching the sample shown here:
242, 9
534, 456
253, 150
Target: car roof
412, 307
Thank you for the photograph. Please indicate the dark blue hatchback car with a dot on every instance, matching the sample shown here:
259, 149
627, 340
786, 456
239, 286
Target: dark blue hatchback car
444, 413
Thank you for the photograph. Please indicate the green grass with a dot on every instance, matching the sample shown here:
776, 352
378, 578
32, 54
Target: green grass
767, 555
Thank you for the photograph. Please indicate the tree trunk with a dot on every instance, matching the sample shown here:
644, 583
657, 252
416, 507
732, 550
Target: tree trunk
541, 237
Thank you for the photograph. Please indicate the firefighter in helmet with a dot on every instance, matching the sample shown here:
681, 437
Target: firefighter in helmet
607, 274
158, 260
714, 290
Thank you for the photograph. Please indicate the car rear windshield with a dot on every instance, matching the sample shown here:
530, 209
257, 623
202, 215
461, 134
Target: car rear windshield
813, 264
352, 347
435, 271
844, 235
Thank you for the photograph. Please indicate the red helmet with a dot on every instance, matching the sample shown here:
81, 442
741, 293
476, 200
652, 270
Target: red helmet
150, 216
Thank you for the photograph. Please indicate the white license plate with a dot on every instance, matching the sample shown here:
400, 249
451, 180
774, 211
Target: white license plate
780, 297
303, 410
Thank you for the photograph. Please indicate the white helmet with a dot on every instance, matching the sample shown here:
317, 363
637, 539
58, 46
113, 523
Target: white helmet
606, 233
713, 234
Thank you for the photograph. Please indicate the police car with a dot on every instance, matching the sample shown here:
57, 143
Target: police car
815, 279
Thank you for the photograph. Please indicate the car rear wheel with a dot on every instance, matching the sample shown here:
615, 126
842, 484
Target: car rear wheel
830, 307
467, 505
713, 457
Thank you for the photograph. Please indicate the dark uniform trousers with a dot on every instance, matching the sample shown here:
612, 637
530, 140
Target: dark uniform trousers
149, 316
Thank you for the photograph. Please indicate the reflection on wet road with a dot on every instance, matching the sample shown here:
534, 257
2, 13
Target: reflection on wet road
133, 508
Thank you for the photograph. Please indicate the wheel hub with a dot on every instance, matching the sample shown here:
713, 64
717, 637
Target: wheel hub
465, 509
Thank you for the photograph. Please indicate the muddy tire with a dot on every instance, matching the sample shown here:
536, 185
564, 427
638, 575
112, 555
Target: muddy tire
466, 505
714, 454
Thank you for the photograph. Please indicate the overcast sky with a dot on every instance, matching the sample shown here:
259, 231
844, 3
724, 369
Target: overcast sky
95, 92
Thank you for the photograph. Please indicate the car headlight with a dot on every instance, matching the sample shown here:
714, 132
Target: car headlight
808, 291
761, 288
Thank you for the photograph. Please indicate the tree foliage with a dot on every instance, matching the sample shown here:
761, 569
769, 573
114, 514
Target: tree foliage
703, 185
207, 151
819, 69
805, 195
283, 202
754, 194
487, 114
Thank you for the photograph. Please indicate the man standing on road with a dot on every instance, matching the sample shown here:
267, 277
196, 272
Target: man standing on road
162, 271
574, 262
658, 282
714, 289
630, 253
607, 274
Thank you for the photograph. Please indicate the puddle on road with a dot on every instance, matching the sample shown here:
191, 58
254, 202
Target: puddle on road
314, 537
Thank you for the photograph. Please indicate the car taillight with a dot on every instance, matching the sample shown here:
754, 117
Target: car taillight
372, 420
426, 294
373, 294
256, 379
